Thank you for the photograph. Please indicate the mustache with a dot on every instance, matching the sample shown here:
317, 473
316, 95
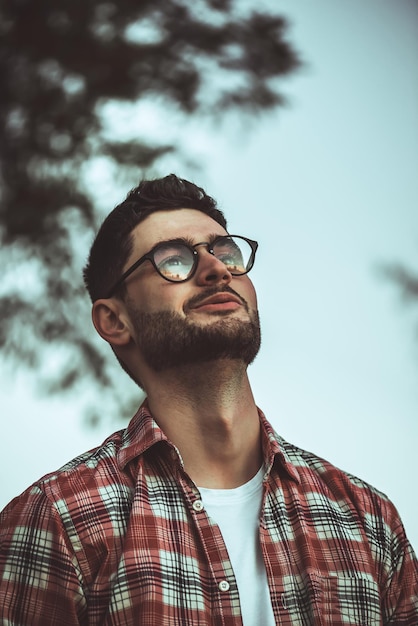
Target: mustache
211, 291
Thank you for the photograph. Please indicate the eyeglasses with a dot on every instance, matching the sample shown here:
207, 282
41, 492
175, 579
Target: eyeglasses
177, 260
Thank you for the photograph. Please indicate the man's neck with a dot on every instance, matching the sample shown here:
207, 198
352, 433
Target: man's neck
208, 412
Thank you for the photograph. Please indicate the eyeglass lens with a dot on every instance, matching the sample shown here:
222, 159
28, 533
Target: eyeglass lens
176, 261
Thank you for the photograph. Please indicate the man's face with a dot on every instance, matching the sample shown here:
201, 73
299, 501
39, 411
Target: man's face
212, 315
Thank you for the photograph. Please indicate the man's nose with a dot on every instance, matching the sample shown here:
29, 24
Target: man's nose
211, 270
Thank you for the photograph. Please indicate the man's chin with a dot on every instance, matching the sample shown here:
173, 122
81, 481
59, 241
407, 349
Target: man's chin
167, 340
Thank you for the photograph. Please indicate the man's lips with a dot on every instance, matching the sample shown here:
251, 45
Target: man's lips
215, 299
221, 301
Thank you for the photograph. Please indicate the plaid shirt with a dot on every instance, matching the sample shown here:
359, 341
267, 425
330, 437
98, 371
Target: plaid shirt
120, 537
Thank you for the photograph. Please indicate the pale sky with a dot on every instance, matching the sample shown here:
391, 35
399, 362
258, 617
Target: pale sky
329, 188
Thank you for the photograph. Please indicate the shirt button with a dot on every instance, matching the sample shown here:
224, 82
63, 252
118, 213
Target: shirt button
223, 585
198, 505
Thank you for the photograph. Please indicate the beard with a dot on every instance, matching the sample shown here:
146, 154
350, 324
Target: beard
168, 340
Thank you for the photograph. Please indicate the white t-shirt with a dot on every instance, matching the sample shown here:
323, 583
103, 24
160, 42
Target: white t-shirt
237, 513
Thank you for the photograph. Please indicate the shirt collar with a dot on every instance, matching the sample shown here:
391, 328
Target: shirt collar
143, 432
274, 451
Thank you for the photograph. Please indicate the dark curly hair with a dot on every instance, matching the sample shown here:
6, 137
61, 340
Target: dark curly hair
113, 243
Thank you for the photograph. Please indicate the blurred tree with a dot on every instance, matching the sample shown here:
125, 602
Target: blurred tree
406, 280
61, 63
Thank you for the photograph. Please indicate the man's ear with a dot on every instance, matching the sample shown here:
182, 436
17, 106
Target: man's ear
111, 321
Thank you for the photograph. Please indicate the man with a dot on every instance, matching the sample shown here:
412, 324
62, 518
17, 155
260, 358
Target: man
197, 513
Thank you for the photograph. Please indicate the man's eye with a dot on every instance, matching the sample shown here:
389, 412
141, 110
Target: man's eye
228, 259
230, 255
176, 266
174, 261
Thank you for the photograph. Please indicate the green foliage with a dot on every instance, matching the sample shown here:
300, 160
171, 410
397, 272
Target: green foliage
61, 61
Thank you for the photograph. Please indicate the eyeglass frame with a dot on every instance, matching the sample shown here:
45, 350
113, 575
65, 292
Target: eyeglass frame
149, 256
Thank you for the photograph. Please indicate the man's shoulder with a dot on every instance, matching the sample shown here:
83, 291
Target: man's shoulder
313, 474
86, 476
317, 474
80, 508
334, 499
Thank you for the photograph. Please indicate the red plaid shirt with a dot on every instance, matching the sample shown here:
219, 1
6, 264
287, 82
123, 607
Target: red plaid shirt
119, 537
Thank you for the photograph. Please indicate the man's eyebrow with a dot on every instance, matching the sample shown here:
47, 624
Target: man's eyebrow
185, 240
214, 236
208, 239
192, 241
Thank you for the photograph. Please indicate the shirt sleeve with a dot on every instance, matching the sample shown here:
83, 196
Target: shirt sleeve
400, 599
40, 581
